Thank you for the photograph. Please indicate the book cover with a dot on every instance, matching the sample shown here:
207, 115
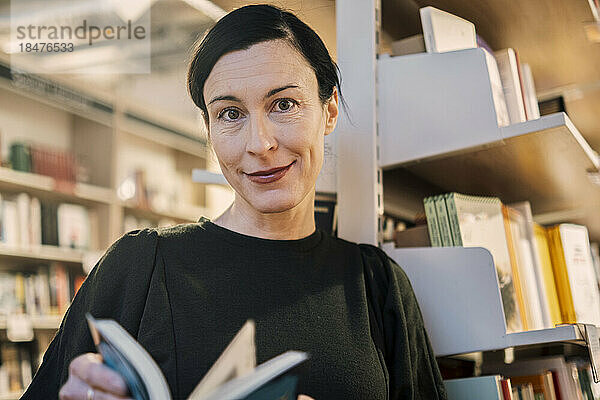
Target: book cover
506, 389
480, 388
502, 117
10, 223
20, 157
529, 92
453, 219
513, 256
443, 222
432, 222
73, 226
444, 32
545, 294
481, 224
526, 270
24, 209
543, 251
574, 274
511, 85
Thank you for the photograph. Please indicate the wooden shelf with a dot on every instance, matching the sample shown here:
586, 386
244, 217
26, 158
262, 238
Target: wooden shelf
45, 323
42, 253
46, 187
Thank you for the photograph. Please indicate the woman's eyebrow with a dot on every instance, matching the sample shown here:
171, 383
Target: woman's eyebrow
277, 90
228, 97
233, 98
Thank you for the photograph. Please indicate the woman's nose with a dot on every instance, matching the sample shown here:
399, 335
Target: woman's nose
261, 138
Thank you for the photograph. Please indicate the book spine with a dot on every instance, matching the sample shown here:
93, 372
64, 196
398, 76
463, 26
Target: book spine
561, 276
515, 268
453, 219
432, 222
442, 215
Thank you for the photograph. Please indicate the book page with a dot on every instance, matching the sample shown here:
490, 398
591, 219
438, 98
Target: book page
239, 358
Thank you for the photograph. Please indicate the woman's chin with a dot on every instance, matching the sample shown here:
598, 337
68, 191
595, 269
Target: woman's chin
271, 204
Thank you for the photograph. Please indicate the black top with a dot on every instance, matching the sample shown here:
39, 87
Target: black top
185, 291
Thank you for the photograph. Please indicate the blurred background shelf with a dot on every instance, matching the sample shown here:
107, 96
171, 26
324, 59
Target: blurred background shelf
47, 322
41, 253
47, 187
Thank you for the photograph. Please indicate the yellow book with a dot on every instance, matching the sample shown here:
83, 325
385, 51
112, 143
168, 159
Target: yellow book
546, 266
515, 268
574, 274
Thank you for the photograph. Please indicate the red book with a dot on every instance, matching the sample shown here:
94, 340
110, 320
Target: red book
506, 389
557, 390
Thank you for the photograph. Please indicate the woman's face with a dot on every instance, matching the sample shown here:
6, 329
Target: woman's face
267, 124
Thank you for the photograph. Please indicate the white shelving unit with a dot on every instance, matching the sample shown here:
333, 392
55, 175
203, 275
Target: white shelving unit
436, 125
458, 293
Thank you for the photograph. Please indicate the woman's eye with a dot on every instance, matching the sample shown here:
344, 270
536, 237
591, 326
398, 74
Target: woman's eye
230, 114
284, 105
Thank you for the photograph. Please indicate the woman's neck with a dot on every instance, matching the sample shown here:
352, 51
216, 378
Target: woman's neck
295, 223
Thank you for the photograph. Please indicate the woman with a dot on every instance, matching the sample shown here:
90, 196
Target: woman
269, 93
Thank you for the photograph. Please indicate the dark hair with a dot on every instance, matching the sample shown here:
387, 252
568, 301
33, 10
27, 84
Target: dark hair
254, 24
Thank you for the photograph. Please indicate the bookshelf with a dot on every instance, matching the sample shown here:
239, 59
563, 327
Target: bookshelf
111, 139
429, 126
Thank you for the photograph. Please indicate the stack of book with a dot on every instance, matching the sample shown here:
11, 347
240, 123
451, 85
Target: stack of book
512, 82
541, 379
15, 368
48, 291
60, 165
548, 378
28, 222
546, 276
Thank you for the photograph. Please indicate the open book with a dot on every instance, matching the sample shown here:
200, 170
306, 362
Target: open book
233, 376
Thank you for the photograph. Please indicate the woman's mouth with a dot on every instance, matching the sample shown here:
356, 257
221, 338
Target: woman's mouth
270, 175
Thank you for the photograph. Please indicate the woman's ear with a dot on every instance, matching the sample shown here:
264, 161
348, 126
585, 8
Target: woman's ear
331, 112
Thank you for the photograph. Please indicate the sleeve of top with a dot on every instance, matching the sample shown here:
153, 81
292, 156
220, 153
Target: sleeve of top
411, 365
115, 288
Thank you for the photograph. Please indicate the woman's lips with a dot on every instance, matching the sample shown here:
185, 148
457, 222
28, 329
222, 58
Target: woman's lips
269, 176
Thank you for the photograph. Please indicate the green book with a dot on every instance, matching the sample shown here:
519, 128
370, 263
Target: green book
20, 157
453, 218
432, 222
444, 224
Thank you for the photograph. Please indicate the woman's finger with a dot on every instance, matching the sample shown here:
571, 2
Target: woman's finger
77, 389
90, 369
304, 397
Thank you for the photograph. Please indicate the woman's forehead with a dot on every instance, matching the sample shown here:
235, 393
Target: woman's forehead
262, 66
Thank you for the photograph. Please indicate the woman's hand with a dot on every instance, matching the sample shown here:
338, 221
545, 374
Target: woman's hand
88, 372
89, 379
